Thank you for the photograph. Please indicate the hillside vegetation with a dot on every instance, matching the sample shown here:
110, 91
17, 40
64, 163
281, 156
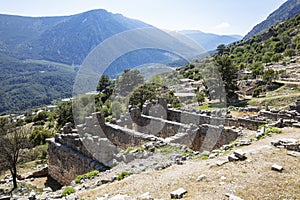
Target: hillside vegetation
27, 84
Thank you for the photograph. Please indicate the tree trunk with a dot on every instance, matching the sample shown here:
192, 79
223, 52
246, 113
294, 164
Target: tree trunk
14, 177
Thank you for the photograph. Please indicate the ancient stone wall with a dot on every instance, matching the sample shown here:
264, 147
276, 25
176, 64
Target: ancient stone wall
65, 163
199, 119
205, 138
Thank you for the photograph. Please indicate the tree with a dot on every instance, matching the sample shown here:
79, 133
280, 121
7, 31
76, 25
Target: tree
200, 97
228, 73
129, 80
221, 49
290, 52
147, 91
268, 76
12, 140
105, 86
64, 114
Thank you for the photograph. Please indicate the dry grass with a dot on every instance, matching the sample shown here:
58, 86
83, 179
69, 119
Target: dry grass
250, 179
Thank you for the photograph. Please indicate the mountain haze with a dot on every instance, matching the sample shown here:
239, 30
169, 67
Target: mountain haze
209, 41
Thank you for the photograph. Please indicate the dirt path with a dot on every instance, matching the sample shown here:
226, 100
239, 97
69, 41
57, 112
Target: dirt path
250, 179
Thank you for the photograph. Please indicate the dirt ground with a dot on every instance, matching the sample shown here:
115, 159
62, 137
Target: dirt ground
249, 179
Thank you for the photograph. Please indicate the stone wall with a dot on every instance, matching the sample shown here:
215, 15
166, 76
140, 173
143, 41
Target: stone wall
65, 163
200, 119
205, 138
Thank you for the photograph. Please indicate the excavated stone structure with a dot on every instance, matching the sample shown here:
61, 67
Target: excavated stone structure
96, 144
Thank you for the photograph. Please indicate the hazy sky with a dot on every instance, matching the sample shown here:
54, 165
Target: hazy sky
215, 16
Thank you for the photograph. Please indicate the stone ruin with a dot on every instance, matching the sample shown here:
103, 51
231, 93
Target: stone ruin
96, 144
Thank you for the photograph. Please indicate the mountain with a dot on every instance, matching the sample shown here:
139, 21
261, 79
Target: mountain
61, 39
38, 54
209, 41
287, 10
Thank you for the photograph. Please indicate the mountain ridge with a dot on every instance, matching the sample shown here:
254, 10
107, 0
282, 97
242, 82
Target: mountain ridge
210, 41
289, 9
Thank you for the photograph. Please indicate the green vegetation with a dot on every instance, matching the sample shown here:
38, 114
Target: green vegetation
129, 149
67, 191
39, 135
122, 175
28, 84
167, 149
86, 176
273, 130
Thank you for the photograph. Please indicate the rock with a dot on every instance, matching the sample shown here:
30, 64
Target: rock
32, 195
47, 189
233, 197
72, 197
145, 196
5, 198
128, 158
293, 153
223, 178
243, 143
221, 162
213, 155
120, 197
240, 154
289, 144
232, 158
227, 146
276, 167
178, 194
200, 178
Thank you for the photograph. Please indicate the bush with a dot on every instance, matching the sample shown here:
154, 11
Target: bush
86, 176
67, 191
122, 175
200, 97
39, 135
257, 91
273, 130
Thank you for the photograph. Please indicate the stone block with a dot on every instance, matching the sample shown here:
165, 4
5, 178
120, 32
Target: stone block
178, 194
276, 167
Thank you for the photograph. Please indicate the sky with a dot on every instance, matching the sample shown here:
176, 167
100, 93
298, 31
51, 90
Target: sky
213, 16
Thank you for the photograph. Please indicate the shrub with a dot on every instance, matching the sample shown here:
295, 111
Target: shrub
273, 130
86, 176
39, 135
122, 175
68, 190
257, 91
